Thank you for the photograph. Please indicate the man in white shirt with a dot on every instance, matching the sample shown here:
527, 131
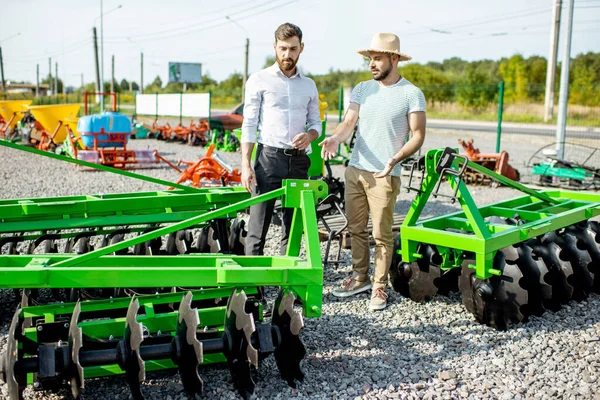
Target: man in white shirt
281, 113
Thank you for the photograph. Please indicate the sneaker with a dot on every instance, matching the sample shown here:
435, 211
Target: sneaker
350, 287
378, 299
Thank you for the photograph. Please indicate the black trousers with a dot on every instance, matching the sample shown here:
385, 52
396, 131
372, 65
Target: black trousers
271, 168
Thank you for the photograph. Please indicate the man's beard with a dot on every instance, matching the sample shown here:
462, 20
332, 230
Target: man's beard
285, 65
381, 75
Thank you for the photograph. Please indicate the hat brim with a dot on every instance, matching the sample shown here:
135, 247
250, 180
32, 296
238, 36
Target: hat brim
402, 56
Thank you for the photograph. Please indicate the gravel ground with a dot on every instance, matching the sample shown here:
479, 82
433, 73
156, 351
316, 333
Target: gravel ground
409, 350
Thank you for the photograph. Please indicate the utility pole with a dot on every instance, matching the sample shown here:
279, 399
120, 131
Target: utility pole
142, 77
56, 77
561, 123
551, 71
50, 74
2, 72
98, 89
37, 80
112, 80
245, 78
101, 55
82, 81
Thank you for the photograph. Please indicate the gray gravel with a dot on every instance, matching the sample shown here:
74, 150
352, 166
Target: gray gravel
409, 350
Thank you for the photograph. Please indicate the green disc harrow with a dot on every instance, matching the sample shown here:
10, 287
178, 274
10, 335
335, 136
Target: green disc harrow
511, 259
138, 282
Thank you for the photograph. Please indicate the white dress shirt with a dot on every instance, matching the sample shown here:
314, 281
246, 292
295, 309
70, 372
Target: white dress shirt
279, 108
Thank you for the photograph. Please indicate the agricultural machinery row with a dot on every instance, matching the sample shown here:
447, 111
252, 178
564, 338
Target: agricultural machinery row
98, 138
102, 139
127, 284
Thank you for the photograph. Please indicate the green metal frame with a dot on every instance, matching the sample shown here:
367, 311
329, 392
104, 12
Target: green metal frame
106, 210
185, 208
157, 324
541, 212
99, 269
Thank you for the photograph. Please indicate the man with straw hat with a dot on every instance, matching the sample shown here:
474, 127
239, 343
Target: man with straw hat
386, 108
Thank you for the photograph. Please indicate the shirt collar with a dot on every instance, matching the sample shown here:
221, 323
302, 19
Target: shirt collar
277, 71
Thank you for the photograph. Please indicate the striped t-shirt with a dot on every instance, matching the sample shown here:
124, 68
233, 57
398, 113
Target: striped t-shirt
383, 122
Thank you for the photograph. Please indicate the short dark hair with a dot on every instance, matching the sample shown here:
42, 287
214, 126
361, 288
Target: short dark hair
288, 31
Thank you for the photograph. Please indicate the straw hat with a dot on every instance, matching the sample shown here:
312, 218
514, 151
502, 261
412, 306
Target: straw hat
385, 43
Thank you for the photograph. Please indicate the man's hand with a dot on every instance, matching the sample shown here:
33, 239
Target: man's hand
248, 177
301, 141
329, 148
386, 170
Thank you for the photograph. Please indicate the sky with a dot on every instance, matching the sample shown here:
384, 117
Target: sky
199, 31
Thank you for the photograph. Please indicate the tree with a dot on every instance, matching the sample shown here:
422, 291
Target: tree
434, 83
536, 89
474, 90
515, 74
155, 86
124, 85
231, 88
585, 80
51, 87
454, 66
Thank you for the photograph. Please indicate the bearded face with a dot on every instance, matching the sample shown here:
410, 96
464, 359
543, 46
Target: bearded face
380, 65
287, 64
287, 53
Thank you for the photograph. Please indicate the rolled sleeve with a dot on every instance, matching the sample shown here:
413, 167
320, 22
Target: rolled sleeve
253, 99
313, 118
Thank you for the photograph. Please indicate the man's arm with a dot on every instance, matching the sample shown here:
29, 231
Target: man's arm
416, 122
341, 133
313, 121
252, 107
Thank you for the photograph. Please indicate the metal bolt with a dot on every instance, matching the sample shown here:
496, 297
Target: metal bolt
36, 385
111, 337
67, 325
405, 270
159, 333
40, 328
483, 290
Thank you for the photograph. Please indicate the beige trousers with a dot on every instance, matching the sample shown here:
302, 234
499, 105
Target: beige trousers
365, 193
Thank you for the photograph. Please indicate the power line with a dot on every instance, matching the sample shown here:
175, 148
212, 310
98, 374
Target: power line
68, 49
204, 16
480, 21
195, 28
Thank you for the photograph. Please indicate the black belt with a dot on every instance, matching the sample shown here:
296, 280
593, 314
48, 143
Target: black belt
287, 152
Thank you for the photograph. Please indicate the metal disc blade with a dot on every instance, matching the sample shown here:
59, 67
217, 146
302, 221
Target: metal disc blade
498, 301
240, 327
75, 343
135, 371
582, 279
191, 354
534, 280
291, 350
559, 271
417, 280
9, 360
